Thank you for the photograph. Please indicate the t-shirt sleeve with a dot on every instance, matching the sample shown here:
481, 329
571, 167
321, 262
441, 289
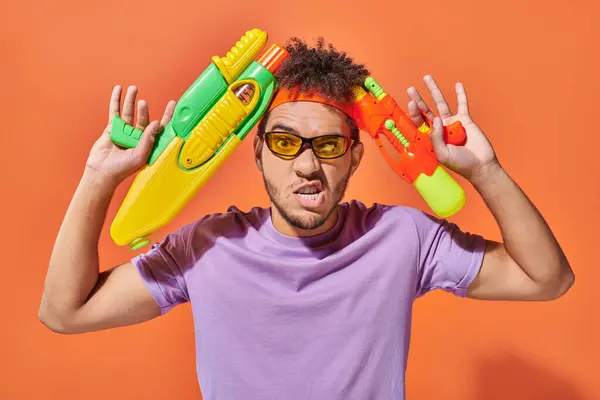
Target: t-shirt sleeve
448, 258
163, 269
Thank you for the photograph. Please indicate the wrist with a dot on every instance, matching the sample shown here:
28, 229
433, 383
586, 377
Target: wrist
487, 175
98, 179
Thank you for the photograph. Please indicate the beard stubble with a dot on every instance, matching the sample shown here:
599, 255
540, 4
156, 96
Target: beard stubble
307, 222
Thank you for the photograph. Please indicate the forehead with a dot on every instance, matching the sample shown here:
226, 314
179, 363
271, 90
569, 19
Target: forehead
308, 119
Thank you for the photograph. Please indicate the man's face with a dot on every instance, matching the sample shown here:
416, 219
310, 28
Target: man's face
288, 180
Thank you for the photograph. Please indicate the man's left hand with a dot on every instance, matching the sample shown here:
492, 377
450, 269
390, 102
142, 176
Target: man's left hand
470, 160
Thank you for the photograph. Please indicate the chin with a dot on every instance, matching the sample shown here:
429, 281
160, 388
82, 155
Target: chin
305, 220
305, 217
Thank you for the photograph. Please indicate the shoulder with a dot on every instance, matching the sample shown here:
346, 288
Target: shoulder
395, 216
232, 222
189, 241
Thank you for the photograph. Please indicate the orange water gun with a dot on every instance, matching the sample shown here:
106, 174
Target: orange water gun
377, 113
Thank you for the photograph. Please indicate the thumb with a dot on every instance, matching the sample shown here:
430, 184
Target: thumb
437, 140
142, 150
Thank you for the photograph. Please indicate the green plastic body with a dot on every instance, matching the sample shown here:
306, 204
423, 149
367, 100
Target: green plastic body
194, 104
197, 100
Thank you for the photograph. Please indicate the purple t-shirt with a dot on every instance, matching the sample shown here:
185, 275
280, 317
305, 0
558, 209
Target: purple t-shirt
320, 318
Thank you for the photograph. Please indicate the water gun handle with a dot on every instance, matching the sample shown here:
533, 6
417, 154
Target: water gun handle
454, 133
437, 187
124, 135
394, 164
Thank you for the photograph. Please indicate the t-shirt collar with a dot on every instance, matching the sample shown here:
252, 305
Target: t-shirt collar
310, 241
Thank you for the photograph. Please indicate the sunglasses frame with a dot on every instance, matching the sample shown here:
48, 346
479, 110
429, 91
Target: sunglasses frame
308, 141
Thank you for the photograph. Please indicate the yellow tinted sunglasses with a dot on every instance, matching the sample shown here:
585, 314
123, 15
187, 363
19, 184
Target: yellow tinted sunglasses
288, 145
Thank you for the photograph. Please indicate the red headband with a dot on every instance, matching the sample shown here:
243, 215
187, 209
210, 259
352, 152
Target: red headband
285, 95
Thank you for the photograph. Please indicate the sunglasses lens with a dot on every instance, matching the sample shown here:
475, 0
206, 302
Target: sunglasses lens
330, 146
283, 143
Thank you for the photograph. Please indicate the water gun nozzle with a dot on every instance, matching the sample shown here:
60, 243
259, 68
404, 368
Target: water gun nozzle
273, 57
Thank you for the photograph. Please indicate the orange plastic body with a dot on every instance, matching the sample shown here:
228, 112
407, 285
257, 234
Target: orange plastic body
418, 157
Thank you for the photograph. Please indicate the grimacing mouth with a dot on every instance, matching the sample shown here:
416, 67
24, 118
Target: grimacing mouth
314, 187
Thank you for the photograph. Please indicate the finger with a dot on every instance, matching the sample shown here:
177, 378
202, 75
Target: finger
115, 102
463, 106
143, 115
415, 114
129, 104
169, 110
416, 97
143, 148
437, 140
438, 97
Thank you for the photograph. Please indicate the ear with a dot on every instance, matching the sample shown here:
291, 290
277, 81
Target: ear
357, 151
257, 143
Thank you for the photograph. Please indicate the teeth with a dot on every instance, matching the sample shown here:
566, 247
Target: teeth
309, 196
308, 190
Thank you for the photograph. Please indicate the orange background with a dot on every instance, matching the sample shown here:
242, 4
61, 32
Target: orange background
530, 70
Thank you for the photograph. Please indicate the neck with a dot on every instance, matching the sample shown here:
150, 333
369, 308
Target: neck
285, 228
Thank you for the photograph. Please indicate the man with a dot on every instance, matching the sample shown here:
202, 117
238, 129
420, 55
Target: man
310, 298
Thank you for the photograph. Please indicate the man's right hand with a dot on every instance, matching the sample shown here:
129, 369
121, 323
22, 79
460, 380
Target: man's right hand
114, 163
77, 297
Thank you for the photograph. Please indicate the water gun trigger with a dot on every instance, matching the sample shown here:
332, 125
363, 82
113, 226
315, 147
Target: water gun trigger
427, 123
454, 133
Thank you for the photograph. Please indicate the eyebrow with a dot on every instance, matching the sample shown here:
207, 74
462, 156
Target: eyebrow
288, 129
284, 128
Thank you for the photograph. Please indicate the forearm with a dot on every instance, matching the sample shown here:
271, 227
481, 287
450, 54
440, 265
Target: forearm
74, 268
527, 238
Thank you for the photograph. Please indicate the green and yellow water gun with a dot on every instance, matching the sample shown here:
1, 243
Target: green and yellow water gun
210, 120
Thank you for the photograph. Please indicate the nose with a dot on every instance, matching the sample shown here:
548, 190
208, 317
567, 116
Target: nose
306, 162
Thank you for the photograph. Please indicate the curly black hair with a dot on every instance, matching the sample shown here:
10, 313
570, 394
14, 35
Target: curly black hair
322, 69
